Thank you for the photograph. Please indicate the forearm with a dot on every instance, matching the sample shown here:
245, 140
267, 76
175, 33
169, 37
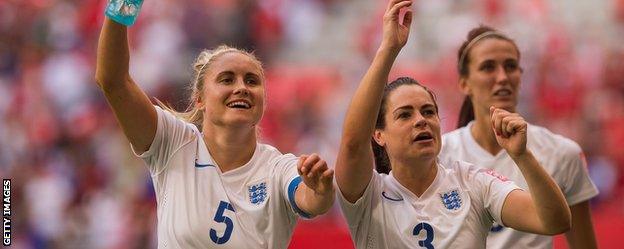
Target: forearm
113, 56
581, 235
313, 203
362, 112
355, 158
548, 199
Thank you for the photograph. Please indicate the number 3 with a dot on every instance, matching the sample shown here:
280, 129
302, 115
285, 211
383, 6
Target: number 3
426, 243
229, 225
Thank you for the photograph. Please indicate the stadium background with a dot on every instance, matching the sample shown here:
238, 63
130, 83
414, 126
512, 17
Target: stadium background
77, 185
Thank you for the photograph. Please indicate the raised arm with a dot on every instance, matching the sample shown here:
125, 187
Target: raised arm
354, 165
132, 107
543, 210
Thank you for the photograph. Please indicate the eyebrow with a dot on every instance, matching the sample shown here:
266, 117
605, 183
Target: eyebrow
409, 107
228, 73
405, 107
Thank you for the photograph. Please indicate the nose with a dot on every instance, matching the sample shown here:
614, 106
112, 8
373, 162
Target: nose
501, 75
420, 121
241, 88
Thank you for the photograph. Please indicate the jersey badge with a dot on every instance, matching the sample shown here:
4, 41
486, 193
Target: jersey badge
257, 193
451, 200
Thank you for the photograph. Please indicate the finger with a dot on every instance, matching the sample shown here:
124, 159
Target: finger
300, 166
318, 169
311, 160
517, 124
328, 175
327, 179
392, 3
497, 123
507, 129
394, 11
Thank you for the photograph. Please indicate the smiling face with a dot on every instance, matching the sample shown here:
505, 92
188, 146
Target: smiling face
233, 93
493, 75
412, 125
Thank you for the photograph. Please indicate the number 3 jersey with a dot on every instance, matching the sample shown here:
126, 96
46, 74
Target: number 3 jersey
201, 207
456, 211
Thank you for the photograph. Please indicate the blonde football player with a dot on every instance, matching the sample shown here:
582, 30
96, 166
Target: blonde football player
216, 185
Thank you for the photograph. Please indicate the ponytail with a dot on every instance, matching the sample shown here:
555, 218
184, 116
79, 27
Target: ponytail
466, 113
382, 161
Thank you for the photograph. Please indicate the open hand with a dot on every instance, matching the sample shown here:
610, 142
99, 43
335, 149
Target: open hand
395, 31
315, 174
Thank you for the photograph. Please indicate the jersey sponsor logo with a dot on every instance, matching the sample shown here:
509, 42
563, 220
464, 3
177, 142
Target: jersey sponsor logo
398, 198
495, 174
257, 193
451, 199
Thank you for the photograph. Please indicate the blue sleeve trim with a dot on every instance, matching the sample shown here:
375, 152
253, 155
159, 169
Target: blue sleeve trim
292, 187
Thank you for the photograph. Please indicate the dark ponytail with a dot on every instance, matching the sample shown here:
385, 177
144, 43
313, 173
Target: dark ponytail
466, 114
382, 161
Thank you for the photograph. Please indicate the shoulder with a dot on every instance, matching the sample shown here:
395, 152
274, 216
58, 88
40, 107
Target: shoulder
544, 141
272, 155
454, 137
452, 141
461, 169
168, 117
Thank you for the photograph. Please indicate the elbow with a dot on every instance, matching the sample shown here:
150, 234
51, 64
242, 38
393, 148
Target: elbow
353, 145
107, 82
561, 225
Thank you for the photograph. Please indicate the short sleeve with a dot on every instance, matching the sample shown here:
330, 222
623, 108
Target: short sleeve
577, 186
171, 134
289, 180
494, 189
359, 213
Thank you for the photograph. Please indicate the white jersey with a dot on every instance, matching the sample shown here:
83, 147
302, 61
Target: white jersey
201, 207
562, 158
456, 211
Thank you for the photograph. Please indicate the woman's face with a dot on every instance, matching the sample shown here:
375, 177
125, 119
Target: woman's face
494, 75
233, 91
412, 128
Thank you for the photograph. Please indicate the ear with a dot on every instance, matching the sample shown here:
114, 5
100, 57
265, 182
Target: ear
378, 136
199, 104
463, 85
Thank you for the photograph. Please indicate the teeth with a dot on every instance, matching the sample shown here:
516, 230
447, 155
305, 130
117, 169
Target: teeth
503, 92
238, 104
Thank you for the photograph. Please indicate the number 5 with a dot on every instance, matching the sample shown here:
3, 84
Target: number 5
229, 225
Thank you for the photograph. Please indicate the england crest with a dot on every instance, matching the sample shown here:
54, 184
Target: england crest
257, 193
451, 200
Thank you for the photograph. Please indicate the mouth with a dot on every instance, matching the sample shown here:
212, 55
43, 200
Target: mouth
503, 93
423, 137
239, 104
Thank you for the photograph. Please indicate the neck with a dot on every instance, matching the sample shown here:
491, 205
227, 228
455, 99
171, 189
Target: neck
416, 175
482, 132
230, 148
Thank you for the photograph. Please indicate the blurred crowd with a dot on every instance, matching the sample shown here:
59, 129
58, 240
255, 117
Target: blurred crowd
76, 183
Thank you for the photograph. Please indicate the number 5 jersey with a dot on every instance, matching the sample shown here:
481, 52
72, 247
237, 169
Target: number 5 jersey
201, 207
